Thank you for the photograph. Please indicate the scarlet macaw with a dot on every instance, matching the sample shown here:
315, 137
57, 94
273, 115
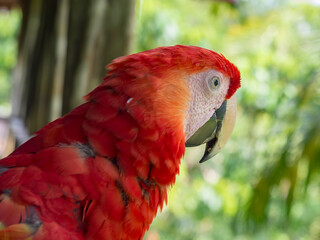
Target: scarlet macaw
103, 170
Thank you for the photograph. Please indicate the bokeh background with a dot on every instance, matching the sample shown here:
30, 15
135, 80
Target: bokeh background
265, 184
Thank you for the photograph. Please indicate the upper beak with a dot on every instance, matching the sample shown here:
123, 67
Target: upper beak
217, 130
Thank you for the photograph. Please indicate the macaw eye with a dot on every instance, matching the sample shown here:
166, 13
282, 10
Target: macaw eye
214, 82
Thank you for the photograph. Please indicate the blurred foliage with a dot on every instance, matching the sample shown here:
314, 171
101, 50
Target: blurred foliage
9, 26
265, 183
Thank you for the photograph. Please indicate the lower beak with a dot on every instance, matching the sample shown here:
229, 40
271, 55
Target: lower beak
216, 131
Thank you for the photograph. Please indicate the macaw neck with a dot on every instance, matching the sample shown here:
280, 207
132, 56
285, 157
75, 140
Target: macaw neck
143, 116
170, 149
152, 159
156, 107
153, 156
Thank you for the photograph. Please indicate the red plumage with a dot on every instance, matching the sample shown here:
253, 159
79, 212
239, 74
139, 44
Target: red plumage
102, 171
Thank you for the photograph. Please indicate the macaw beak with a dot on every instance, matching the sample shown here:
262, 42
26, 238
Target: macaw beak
217, 130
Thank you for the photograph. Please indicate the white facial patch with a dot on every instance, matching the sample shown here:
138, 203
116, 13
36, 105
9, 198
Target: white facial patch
208, 90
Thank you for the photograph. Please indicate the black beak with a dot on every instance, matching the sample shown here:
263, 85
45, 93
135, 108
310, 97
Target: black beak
213, 132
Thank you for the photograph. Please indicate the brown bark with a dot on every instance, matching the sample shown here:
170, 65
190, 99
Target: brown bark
64, 47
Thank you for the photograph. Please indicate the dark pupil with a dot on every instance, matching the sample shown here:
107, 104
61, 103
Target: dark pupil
216, 82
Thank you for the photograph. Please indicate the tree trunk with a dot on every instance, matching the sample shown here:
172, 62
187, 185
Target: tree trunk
64, 47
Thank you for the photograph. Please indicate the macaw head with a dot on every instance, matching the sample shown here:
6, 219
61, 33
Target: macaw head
180, 87
212, 108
